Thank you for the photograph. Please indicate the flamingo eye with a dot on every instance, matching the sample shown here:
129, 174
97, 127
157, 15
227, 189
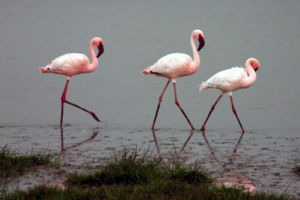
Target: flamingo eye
48, 68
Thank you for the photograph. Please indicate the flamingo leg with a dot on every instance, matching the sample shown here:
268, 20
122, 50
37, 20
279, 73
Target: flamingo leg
211, 110
159, 101
64, 100
236, 115
63, 97
177, 103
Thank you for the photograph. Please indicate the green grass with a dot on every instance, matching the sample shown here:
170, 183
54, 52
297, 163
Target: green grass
129, 169
163, 190
134, 177
13, 165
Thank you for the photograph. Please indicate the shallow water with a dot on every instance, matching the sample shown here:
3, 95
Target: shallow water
261, 157
135, 35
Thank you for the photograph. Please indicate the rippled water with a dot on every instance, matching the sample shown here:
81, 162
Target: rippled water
135, 35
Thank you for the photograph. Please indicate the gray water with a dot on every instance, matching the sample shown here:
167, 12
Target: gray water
135, 34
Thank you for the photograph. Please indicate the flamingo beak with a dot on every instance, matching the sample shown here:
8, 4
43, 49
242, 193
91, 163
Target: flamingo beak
101, 50
201, 42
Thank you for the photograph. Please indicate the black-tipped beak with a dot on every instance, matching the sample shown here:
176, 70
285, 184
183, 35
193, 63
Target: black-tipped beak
101, 50
201, 42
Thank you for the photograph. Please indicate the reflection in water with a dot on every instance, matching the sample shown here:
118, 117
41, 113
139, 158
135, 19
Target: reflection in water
181, 149
239, 141
235, 148
63, 149
61, 138
231, 179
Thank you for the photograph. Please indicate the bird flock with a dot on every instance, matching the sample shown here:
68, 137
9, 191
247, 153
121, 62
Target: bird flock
170, 66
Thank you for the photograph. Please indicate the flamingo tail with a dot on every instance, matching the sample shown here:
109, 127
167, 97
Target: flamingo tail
146, 71
204, 85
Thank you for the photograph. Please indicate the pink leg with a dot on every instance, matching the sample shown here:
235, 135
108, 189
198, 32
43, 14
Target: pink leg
177, 103
63, 100
212, 108
63, 97
237, 117
159, 101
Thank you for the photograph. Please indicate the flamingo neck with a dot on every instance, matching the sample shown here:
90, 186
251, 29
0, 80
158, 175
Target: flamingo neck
94, 63
196, 61
251, 74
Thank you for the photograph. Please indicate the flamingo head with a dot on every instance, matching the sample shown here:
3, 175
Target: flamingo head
201, 40
98, 42
254, 63
100, 48
46, 69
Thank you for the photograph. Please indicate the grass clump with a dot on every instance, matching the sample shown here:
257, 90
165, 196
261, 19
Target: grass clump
163, 190
191, 176
13, 165
297, 170
131, 169
128, 169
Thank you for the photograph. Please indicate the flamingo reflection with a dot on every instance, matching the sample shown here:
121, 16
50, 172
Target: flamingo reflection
231, 179
181, 149
236, 145
63, 149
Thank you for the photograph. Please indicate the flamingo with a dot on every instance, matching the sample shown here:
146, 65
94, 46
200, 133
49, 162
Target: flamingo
176, 65
72, 64
231, 80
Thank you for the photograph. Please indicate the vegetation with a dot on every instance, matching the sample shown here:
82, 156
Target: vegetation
13, 165
162, 190
297, 169
134, 177
132, 170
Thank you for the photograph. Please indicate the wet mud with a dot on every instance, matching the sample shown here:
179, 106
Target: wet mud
257, 160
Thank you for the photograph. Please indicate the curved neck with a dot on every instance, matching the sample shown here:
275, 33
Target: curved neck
251, 74
94, 63
196, 61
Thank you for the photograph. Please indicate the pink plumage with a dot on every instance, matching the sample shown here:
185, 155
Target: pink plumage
234, 78
172, 66
176, 65
73, 64
69, 65
230, 80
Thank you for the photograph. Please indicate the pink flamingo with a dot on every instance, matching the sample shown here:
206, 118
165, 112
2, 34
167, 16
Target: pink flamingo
73, 64
176, 65
230, 80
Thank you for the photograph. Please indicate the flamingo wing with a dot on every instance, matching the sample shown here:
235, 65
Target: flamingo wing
67, 64
172, 65
224, 80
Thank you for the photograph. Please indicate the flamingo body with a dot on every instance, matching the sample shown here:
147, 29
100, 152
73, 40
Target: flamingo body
227, 81
231, 80
69, 64
172, 66
72, 64
234, 78
176, 65
75, 63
